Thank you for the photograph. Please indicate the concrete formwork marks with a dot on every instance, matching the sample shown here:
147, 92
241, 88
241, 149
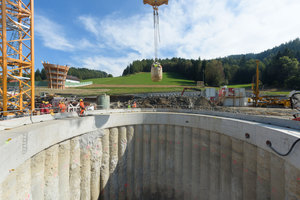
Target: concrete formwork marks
64, 170
153, 162
187, 163
195, 163
214, 164
277, 178
161, 174
37, 175
146, 159
249, 171
75, 177
225, 166
113, 161
263, 190
129, 185
104, 174
24, 181
237, 170
122, 165
51, 174
178, 158
170, 165
138, 162
85, 169
9, 187
292, 182
96, 158
204, 165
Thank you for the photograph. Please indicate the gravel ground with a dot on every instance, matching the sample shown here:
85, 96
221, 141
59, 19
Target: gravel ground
197, 103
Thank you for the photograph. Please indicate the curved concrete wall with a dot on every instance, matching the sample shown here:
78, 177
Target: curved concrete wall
148, 156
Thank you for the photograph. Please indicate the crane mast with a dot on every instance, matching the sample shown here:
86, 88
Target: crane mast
17, 55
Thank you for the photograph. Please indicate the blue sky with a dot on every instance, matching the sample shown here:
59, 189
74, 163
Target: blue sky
108, 35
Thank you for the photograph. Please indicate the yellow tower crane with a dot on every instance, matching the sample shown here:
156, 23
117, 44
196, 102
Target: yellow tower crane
17, 55
156, 68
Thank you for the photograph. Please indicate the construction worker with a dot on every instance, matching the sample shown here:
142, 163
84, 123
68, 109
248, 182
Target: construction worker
134, 104
129, 104
42, 107
46, 107
62, 107
82, 107
50, 108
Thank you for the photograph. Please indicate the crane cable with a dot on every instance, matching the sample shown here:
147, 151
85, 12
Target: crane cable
156, 31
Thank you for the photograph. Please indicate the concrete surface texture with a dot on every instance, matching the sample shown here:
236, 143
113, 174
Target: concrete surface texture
148, 155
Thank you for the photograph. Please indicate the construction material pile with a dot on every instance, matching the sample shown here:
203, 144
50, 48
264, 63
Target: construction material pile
180, 102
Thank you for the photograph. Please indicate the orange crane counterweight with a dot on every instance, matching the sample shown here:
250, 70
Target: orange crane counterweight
156, 3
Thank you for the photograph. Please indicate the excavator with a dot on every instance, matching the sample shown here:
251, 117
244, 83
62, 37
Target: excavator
156, 68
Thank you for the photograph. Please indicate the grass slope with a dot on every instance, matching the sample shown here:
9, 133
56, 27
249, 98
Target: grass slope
144, 79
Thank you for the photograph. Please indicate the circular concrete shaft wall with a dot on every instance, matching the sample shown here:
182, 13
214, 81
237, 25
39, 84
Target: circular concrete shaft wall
154, 156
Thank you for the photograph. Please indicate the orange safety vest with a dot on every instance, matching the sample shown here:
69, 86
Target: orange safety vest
81, 104
62, 107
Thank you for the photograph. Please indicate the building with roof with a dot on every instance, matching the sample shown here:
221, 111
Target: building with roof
56, 75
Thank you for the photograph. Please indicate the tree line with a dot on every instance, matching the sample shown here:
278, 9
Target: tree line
81, 73
279, 67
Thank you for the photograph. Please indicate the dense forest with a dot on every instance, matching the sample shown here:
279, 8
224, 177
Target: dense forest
279, 67
81, 73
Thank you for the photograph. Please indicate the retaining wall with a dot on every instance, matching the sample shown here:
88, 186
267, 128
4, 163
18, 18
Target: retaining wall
148, 156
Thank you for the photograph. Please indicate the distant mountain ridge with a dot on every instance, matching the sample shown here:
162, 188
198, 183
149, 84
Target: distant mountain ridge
293, 46
279, 67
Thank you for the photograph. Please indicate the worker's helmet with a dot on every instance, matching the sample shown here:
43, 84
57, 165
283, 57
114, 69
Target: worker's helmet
43, 101
80, 100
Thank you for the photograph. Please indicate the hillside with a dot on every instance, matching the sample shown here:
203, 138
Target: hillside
279, 67
81, 73
292, 46
144, 78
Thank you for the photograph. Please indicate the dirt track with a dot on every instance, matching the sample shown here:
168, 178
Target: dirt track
137, 86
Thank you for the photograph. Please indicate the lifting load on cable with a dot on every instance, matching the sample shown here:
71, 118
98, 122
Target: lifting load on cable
156, 68
156, 72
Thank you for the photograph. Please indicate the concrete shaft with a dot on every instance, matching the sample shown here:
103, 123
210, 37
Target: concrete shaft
153, 162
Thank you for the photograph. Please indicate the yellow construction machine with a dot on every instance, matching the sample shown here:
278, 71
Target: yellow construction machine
265, 101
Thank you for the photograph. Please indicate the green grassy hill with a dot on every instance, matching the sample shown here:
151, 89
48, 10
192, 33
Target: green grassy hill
144, 79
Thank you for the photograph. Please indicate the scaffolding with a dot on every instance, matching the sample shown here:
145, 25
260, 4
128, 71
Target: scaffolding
17, 54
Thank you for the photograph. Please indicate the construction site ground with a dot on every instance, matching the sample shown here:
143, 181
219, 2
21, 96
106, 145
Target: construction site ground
171, 102
196, 103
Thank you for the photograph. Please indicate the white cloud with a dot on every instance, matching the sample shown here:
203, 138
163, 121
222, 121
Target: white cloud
193, 28
90, 24
52, 34
189, 29
110, 65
